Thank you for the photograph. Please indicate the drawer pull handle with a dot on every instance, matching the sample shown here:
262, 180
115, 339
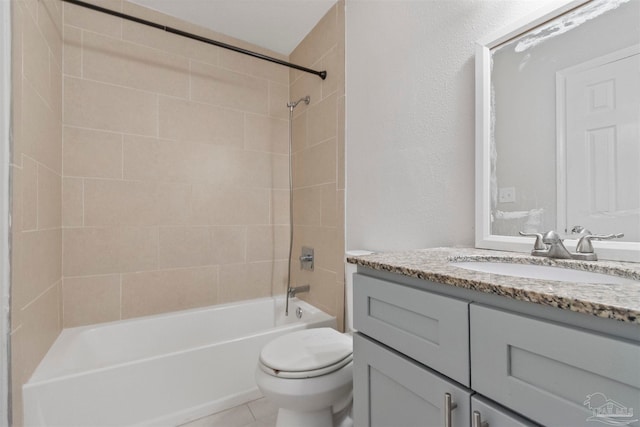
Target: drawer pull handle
448, 407
477, 420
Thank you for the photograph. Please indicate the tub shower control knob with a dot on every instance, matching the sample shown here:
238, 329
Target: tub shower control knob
306, 259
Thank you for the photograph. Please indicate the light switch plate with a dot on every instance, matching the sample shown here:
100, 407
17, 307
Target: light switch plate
507, 195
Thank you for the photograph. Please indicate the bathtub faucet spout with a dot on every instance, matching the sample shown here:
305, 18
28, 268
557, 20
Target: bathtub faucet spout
297, 289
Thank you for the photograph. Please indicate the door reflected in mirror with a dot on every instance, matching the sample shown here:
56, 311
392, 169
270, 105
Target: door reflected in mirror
559, 124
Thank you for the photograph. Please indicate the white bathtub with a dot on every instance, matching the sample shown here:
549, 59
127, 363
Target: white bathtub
159, 370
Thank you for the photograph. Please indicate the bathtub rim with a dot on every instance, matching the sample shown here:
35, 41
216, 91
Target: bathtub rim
187, 311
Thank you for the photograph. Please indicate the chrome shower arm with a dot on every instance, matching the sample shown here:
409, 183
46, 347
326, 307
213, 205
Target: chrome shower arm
291, 105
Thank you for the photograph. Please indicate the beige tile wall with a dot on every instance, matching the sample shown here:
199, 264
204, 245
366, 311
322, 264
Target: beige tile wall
164, 186
36, 187
318, 130
174, 169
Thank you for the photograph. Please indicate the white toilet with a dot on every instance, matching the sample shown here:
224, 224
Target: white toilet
308, 374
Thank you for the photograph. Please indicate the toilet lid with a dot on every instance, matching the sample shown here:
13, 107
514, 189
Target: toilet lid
307, 350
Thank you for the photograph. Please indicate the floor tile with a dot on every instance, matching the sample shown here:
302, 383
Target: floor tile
239, 416
262, 408
262, 423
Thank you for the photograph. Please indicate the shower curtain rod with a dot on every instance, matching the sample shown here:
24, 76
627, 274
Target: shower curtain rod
321, 74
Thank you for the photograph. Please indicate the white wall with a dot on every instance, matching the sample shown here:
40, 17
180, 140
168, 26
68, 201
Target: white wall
410, 118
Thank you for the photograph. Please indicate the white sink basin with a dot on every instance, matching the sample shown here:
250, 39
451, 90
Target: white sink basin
542, 272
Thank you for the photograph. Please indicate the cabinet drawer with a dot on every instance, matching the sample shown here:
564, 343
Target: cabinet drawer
494, 415
430, 328
553, 374
392, 390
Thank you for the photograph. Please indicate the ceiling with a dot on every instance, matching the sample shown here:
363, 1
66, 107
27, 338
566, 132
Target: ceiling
278, 25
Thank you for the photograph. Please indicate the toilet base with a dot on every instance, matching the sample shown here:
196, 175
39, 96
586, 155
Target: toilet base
289, 418
344, 417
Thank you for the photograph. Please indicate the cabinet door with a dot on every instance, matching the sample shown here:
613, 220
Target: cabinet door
554, 374
430, 328
485, 413
391, 390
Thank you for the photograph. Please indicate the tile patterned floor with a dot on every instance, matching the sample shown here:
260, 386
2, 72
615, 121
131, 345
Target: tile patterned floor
257, 413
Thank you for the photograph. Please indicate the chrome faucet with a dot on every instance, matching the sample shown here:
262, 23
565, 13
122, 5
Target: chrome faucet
293, 291
551, 245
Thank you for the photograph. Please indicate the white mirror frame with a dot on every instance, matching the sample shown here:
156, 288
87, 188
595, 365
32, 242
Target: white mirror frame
611, 250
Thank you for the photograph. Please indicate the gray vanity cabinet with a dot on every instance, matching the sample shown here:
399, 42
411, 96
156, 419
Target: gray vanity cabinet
414, 347
401, 330
547, 371
391, 390
430, 328
485, 413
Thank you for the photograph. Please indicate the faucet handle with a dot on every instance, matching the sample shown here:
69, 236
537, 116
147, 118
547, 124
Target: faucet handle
538, 245
578, 229
584, 244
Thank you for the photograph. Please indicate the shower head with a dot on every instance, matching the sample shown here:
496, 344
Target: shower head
292, 105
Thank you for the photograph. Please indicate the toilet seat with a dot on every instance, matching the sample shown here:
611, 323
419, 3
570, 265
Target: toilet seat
306, 354
305, 374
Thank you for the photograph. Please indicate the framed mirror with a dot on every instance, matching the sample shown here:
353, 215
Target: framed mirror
558, 128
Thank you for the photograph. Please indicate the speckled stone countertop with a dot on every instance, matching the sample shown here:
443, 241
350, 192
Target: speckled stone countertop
619, 301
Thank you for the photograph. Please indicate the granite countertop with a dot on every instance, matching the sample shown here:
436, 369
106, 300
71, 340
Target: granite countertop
619, 301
